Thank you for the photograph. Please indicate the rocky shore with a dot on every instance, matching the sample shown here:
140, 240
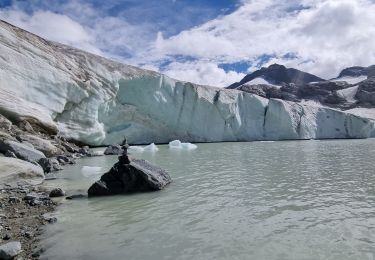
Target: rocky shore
29, 156
24, 211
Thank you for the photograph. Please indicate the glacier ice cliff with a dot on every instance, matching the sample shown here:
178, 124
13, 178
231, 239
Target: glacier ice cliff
97, 101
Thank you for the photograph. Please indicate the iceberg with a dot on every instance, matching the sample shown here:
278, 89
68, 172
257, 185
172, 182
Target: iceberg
151, 148
139, 149
177, 144
93, 100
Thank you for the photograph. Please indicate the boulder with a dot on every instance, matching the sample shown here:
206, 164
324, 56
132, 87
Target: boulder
69, 147
35, 199
5, 124
26, 126
50, 165
10, 154
22, 151
42, 145
85, 150
62, 159
57, 192
16, 171
136, 176
10, 250
113, 149
5, 136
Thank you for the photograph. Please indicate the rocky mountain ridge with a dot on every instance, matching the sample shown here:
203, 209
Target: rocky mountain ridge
353, 90
277, 75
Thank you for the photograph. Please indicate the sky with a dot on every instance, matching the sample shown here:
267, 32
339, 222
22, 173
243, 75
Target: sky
209, 42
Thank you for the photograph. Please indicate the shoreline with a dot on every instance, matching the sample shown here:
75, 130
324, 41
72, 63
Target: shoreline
23, 213
29, 157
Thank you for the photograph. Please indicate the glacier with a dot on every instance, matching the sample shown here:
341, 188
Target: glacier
96, 101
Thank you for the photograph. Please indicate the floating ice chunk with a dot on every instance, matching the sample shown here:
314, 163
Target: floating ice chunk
139, 149
151, 148
177, 144
89, 171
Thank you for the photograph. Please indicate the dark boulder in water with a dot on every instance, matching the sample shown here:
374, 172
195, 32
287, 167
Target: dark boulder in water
136, 176
129, 176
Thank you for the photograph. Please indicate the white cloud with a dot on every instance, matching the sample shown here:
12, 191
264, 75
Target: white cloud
324, 35
52, 26
204, 73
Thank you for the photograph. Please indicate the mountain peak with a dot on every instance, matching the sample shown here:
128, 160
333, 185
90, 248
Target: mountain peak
279, 75
357, 71
275, 66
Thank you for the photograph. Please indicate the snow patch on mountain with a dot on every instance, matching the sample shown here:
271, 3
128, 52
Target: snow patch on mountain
348, 94
351, 80
260, 80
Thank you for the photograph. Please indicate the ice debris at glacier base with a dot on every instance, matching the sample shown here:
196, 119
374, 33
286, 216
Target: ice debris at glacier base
139, 149
177, 144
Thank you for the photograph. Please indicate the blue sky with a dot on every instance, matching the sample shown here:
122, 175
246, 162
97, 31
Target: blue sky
207, 41
167, 16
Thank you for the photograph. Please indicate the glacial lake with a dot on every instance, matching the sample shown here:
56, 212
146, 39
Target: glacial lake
257, 200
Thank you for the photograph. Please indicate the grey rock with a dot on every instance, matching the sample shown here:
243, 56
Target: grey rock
6, 237
76, 196
31, 196
58, 192
15, 172
34, 202
50, 178
10, 154
50, 219
22, 151
50, 164
10, 250
26, 126
6, 136
28, 234
366, 93
71, 148
5, 124
137, 176
34, 199
37, 252
14, 200
62, 159
42, 145
113, 150
26, 143
85, 150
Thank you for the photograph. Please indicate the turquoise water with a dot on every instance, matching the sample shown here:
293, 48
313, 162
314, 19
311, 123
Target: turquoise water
257, 200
